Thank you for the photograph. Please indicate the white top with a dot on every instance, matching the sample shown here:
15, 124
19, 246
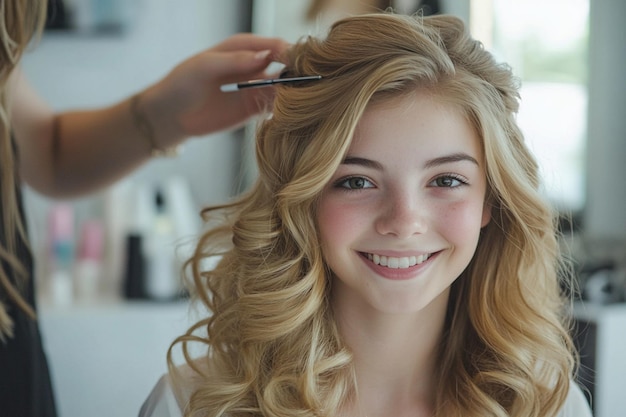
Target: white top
162, 402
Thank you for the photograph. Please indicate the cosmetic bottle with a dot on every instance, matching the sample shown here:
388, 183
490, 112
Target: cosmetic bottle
161, 277
88, 267
134, 271
61, 254
118, 213
184, 215
129, 215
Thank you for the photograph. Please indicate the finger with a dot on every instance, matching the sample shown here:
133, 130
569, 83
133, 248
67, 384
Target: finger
251, 42
242, 63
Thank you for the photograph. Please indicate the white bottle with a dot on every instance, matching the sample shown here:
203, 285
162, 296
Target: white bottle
162, 277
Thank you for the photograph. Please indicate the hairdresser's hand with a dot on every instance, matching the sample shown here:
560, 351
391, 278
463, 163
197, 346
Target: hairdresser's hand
188, 101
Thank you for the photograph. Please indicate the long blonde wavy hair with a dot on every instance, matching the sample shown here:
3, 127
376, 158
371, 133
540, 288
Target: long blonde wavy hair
274, 348
20, 22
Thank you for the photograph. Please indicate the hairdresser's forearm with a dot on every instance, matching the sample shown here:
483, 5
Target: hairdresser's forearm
94, 148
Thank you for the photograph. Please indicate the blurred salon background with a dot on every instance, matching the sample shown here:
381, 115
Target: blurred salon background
110, 302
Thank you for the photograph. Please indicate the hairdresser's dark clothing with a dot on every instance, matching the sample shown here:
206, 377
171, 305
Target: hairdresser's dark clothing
25, 385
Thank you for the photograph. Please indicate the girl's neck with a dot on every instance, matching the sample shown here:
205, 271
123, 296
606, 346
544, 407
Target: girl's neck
394, 357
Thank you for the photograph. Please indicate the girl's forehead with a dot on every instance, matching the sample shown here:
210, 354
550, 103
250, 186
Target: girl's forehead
412, 104
408, 99
416, 124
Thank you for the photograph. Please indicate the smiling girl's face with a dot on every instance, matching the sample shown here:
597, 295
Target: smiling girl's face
400, 219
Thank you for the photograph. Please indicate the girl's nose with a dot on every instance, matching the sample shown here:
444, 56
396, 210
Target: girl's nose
402, 216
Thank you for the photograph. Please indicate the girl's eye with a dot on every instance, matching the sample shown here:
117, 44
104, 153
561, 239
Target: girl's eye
448, 181
354, 183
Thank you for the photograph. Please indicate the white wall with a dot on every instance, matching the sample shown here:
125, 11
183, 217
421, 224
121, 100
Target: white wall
81, 71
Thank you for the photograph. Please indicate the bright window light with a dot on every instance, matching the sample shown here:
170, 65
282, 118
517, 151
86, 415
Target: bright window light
545, 42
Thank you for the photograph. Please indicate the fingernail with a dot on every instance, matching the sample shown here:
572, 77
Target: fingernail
261, 55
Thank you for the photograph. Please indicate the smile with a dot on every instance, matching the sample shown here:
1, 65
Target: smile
397, 263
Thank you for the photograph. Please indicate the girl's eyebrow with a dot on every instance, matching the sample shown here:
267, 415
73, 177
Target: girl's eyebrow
447, 159
364, 162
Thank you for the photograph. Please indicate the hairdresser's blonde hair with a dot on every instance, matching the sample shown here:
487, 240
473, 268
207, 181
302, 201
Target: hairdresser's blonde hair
274, 347
20, 22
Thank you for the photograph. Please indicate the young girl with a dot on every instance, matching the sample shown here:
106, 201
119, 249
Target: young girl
395, 256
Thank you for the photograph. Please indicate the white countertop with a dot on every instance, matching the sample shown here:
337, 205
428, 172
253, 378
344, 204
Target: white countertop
105, 357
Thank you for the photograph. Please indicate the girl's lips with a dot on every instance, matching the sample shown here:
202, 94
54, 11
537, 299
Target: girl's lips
397, 268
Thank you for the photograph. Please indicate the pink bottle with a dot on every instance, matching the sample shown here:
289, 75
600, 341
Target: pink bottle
61, 253
88, 268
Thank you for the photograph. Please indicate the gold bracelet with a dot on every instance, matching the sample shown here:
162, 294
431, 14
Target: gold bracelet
145, 127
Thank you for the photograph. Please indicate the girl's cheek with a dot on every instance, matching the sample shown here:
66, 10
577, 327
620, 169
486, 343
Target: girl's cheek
461, 217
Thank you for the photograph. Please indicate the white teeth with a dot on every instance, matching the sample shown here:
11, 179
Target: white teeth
397, 263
